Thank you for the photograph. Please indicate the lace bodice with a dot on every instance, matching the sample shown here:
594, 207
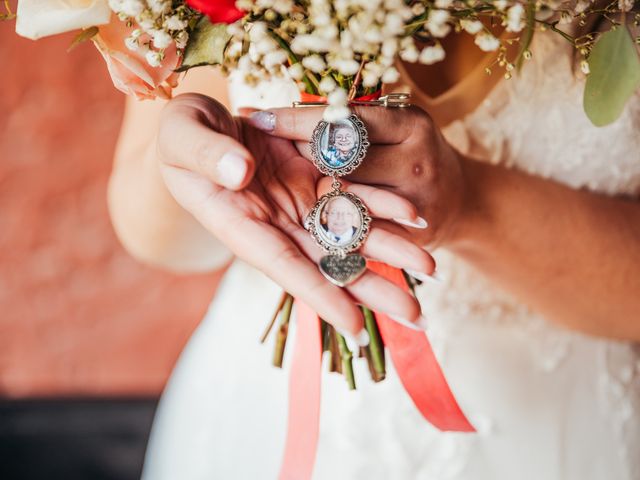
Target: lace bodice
535, 122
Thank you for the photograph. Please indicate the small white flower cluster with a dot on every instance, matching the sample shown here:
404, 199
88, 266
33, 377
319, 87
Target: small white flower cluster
158, 25
343, 48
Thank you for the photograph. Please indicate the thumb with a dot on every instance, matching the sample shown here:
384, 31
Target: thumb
198, 134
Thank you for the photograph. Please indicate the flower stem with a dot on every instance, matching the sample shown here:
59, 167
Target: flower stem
283, 330
283, 298
375, 347
347, 365
334, 364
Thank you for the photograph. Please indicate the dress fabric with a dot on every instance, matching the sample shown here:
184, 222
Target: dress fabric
548, 403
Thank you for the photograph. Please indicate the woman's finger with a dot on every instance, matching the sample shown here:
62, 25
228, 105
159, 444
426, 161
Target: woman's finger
371, 289
398, 252
299, 123
281, 260
381, 203
198, 134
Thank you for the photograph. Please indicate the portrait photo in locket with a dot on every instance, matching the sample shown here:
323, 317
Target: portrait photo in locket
339, 147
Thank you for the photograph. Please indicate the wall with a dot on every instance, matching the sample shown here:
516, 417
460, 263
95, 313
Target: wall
78, 316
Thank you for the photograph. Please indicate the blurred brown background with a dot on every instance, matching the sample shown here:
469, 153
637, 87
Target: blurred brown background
77, 314
88, 336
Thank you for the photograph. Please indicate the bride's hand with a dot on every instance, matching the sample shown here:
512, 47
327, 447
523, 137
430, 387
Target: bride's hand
253, 191
408, 155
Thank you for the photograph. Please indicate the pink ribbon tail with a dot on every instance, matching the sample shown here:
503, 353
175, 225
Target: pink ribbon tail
304, 397
417, 366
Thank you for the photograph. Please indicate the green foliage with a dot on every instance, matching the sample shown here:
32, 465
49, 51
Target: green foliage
206, 45
615, 74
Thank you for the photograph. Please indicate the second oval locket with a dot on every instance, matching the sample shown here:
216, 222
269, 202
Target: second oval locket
339, 222
338, 148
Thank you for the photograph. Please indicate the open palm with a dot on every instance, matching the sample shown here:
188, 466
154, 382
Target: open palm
261, 222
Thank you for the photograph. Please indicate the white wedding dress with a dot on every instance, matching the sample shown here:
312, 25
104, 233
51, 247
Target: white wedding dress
548, 403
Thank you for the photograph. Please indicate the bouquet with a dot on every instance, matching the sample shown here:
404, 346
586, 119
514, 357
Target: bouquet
341, 52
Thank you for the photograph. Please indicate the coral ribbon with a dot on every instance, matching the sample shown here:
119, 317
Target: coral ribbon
304, 397
417, 366
414, 362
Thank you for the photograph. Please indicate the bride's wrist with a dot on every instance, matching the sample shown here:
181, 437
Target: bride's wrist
474, 215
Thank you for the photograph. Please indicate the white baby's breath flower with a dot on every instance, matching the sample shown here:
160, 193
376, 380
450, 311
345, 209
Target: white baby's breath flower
443, 3
338, 97
265, 45
410, 54
337, 109
515, 18
296, 71
173, 22
131, 8
584, 66
581, 6
471, 26
234, 49
625, 5
391, 75
346, 66
432, 54
437, 23
501, 4
336, 113
418, 9
159, 6
245, 5
283, 7
182, 38
315, 63
161, 39
327, 84
487, 42
258, 31
146, 24
131, 43
275, 58
153, 58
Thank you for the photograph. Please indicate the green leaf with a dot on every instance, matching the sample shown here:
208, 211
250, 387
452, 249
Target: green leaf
82, 37
206, 45
615, 74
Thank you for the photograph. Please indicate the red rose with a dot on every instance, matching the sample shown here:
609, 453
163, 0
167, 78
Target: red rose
218, 11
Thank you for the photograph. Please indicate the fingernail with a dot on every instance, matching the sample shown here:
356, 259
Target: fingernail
232, 169
419, 325
418, 223
263, 120
361, 339
435, 277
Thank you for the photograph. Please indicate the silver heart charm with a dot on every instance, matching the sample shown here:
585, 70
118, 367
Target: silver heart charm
343, 270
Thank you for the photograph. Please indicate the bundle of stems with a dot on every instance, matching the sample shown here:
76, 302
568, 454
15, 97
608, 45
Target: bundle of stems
341, 356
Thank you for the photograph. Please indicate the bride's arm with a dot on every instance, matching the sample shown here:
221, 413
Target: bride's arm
572, 255
147, 219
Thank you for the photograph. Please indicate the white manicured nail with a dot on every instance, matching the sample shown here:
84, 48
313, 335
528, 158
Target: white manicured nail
419, 325
263, 120
419, 222
435, 277
361, 339
231, 169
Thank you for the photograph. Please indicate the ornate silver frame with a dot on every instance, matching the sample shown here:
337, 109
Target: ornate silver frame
313, 225
316, 151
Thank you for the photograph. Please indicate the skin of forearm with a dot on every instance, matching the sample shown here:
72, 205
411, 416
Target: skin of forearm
149, 222
571, 255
